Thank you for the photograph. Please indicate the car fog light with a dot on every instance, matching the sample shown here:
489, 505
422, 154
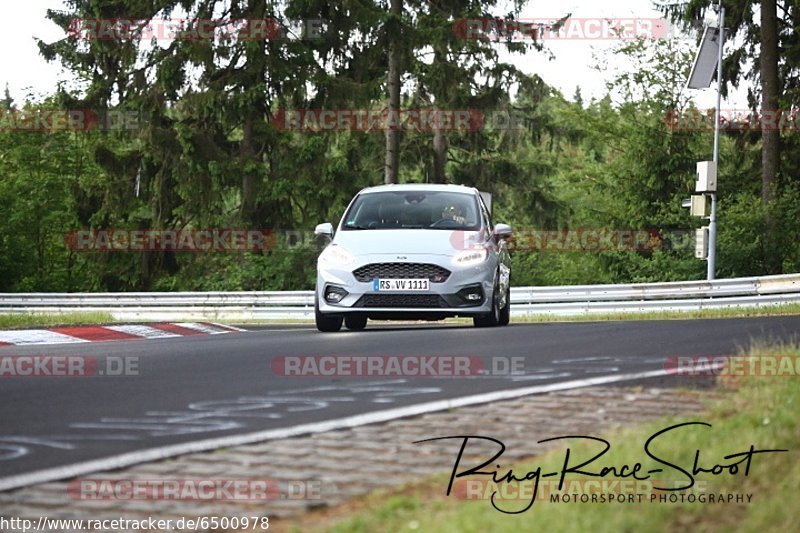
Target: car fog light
335, 295
472, 295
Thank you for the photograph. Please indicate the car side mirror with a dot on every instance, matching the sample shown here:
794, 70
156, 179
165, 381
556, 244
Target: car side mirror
502, 231
325, 229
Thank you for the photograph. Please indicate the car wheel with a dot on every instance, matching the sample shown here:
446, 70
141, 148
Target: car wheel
355, 322
505, 312
328, 323
492, 319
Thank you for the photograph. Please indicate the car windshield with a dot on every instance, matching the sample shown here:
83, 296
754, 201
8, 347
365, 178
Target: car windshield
413, 209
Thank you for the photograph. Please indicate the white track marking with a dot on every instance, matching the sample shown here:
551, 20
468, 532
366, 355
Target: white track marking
45, 336
144, 331
226, 326
37, 336
205, 328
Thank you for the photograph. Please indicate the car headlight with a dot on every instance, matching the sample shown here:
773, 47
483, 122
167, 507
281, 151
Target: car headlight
473, 256
336, 255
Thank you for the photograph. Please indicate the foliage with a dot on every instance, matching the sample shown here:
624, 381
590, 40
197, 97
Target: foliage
208, 152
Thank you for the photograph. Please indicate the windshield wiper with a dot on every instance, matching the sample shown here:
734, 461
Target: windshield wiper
357, 226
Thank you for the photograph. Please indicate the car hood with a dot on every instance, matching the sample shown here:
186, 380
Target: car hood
405, 241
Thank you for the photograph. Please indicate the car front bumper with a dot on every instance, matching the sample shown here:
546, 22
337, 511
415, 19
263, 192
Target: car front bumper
447, 298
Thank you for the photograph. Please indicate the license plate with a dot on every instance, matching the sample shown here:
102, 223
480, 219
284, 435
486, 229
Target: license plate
400, 285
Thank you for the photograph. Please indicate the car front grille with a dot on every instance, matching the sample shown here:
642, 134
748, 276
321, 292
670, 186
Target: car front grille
401, 300
434, 273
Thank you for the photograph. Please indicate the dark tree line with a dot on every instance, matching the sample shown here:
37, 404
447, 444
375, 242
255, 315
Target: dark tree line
208, 151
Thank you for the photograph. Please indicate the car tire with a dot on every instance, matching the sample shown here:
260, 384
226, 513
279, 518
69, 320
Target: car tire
355, 322
326, 323
505, 312
492, 319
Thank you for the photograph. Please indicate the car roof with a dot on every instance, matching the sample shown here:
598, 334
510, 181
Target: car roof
403, 187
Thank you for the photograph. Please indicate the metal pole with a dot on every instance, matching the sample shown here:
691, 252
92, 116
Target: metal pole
712, 220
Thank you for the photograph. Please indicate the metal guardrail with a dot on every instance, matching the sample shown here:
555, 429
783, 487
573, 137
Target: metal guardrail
557, 300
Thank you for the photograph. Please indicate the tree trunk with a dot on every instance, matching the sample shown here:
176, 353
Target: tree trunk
254, 74
440, 143
439, 152
770, 136
249, 178
393, 83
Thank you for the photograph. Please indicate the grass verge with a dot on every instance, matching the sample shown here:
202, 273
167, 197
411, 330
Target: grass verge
762, 411
33, 320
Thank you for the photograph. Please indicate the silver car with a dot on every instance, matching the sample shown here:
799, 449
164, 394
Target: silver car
413, 252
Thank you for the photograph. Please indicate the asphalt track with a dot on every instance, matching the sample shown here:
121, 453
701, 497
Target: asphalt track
200, 387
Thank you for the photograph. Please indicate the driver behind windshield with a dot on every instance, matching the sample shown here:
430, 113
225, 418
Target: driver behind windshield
454, 213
